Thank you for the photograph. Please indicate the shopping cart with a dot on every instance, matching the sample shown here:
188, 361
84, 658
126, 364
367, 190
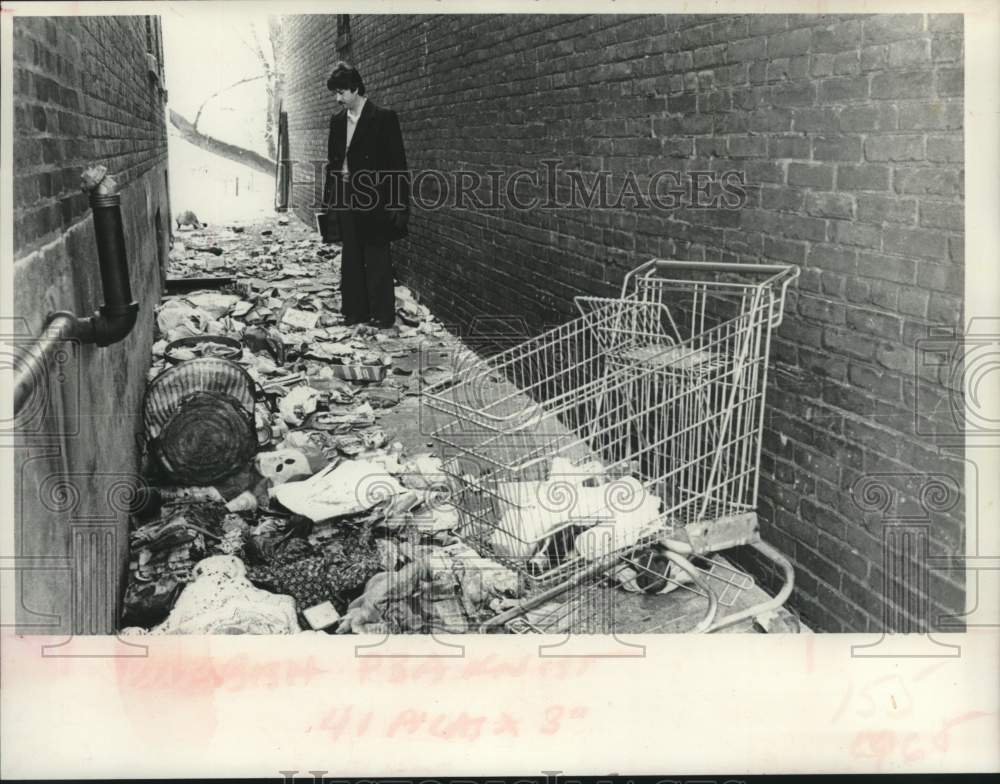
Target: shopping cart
630, 432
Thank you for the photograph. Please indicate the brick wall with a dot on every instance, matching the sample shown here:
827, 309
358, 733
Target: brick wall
849, 132
305, 62
83, 93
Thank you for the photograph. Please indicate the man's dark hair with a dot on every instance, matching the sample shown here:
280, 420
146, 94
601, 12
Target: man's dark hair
345, 77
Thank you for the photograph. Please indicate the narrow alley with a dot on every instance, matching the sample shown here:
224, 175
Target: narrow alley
553, 393
573, 370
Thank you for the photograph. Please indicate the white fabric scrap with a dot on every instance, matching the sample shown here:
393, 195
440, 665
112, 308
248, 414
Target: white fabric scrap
348, 488
221, 600
298, 404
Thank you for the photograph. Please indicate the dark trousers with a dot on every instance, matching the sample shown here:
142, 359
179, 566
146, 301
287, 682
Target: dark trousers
366, 278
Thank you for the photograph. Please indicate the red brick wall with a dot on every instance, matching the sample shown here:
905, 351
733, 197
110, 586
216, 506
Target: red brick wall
82, 93
849, 131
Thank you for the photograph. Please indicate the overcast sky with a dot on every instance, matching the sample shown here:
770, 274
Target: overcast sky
204, 53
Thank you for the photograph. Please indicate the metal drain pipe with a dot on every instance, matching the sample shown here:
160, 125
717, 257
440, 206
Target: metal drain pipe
114, 319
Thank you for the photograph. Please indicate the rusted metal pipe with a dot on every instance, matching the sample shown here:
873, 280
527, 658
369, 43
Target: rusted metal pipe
117, 315
114, 319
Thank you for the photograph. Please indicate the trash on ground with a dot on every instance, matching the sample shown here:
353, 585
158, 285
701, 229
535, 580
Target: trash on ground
279, 497
221, 600
338, 490
215, 304
342, 419
386, 604
196, 346
244, 502
192, 283
299, 319
310, 444
283, 465
322, 615
298, 404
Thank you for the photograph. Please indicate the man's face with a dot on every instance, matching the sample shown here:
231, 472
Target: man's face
346, 98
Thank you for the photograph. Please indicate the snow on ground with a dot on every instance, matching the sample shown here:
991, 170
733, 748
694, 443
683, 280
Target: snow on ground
216, 189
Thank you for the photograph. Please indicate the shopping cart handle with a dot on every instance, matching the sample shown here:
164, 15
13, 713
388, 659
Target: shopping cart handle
777, 271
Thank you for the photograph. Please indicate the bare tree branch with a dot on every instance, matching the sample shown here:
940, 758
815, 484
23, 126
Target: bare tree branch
219, 147
268, 65
274, 37
244, 42
230, 87
274, 83
258, 49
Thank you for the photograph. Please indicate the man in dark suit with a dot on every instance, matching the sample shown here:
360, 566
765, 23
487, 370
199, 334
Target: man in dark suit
368, 188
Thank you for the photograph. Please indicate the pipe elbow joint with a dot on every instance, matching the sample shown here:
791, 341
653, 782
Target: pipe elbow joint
113, 326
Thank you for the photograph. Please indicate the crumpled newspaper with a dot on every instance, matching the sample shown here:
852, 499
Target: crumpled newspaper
213, 303
177, 318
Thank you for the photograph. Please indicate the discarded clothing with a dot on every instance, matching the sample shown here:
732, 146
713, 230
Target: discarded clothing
221, 600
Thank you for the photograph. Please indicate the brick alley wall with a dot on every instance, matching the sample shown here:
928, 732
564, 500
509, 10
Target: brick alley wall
85, 90
849, 132
305, 62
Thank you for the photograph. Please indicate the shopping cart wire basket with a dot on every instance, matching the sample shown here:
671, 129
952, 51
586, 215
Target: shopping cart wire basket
641, 418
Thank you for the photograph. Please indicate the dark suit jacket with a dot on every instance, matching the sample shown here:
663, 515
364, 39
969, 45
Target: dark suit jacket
376, 152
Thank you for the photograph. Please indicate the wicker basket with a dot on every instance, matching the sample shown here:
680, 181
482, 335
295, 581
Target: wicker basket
199, 419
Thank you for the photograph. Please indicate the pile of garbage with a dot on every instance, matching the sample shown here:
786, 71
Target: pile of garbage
275, 502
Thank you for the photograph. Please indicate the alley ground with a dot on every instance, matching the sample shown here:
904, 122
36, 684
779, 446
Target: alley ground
368, 545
